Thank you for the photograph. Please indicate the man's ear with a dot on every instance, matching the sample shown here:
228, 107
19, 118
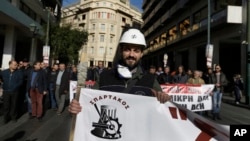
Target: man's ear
141, 54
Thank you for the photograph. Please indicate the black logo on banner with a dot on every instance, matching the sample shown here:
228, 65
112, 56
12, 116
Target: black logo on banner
108, 126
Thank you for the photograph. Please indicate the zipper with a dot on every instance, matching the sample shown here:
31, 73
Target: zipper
126, 83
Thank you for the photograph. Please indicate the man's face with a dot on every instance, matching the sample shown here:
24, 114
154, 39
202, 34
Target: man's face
37, 66
13, 65
100, 65
131, 54
166, 70
152, 70
55, 67
217, 68
62, 67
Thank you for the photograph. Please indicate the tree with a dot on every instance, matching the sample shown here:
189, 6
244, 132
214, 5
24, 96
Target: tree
66, 42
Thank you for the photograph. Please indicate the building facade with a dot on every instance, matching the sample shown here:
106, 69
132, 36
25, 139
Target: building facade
180, 29
20, 27
104, 20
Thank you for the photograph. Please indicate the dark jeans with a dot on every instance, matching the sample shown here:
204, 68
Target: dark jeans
10, 105
52, 95
237, 93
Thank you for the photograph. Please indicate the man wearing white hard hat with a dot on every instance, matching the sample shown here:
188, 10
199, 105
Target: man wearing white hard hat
127, 75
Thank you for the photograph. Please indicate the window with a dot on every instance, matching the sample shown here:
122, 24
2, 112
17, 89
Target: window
102, 27
111, 39
101, 38
102, 14
123, 19
110, 51
101, 50
92, 50
93, 26
111, 27
83, 17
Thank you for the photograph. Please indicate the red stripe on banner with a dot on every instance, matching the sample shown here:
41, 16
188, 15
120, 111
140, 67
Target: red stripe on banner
203, 137
173, 112
208, 129
183, 114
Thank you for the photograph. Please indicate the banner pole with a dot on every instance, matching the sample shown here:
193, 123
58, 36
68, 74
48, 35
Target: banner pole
82, 75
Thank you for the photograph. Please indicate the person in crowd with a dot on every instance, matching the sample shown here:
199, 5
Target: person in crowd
20, 65
61, 87
45, 67
207, 77
220, 81
152, 70
238, 87
73, 73
12, 79
165, 77
24, 93
180, 76
128, 71
90, 73
196, 79
98, 70
159, 71
51, 81
190, 73
37, 88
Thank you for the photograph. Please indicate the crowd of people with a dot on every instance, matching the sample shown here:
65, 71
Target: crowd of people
42, 87
34, 88
164, 75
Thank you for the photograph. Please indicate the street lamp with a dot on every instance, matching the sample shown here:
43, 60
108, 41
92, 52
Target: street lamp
34, 29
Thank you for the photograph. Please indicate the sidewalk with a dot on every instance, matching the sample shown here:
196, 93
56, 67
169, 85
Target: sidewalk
229, 99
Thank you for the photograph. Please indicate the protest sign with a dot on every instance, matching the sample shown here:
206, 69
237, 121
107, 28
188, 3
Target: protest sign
126, 117
192, 97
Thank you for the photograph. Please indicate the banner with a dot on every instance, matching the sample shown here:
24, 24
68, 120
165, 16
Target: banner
72, 89
192, 97
125, 117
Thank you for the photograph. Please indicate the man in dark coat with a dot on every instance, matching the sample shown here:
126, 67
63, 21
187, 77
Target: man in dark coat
62, 87
37, 88
12, 80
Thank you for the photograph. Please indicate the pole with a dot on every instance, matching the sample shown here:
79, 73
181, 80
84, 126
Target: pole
248, 54
208, 21
47, 30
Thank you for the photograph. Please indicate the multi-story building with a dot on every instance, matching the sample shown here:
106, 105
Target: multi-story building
180, 29
20, 25
104, 21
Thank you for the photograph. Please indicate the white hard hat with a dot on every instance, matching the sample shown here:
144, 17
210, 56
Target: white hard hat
133, 36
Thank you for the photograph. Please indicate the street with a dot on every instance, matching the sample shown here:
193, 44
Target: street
57, 128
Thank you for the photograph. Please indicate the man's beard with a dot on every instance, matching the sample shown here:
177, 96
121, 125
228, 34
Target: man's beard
131, 65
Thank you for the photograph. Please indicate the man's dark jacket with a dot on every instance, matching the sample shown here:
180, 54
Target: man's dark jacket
41, 81
64, 86
11, 80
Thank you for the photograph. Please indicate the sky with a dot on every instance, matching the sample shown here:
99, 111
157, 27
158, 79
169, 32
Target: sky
137, 3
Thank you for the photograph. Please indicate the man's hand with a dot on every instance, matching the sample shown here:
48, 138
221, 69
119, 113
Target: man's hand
75, 107
161, 96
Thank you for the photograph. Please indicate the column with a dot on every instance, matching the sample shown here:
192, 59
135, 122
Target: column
9, 46
33, 50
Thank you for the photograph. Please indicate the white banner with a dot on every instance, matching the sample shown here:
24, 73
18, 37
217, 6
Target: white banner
192, 97
72, 89
124, 117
